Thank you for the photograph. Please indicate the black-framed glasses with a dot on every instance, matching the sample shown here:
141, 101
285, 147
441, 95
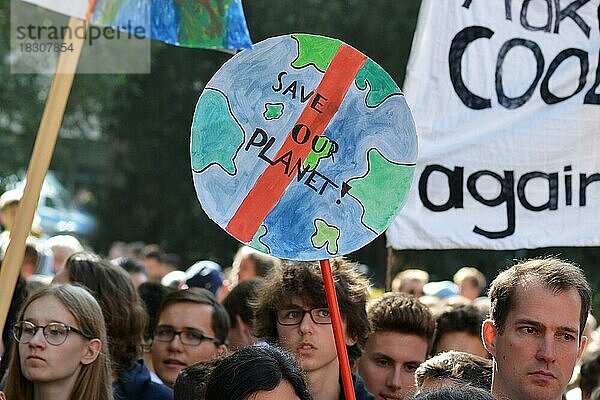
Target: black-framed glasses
189, 337
294, 316
55, 332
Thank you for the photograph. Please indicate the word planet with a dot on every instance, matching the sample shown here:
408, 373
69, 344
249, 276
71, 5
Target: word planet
302, 147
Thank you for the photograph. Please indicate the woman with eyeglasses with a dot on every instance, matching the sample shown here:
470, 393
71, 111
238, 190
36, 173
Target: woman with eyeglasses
61, 350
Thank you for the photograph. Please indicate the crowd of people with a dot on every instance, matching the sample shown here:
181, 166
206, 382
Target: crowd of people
135, 325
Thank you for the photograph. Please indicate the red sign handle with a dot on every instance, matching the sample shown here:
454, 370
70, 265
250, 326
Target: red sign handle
338, 330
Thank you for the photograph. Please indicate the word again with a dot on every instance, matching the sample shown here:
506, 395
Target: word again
506, 192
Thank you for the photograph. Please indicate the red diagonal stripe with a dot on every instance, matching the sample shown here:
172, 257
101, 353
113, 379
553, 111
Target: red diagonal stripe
271, 185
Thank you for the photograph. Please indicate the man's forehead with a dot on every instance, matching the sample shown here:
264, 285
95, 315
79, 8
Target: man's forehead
191, 307
528, 304
398, 345
300, 302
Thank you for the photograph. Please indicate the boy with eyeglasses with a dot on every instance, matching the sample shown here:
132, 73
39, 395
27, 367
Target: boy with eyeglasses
192, 326
291, 311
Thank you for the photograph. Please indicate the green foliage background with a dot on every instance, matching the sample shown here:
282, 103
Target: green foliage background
126, 137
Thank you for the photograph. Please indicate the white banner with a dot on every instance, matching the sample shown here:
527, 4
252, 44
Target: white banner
73, 8
506, 98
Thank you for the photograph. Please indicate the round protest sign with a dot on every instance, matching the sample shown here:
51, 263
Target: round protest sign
302, 147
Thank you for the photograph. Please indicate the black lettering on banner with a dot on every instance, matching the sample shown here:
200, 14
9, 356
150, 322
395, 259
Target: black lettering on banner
467, 3
291, 88
591, 97
301, 171
525, 22
291, 162
516, 102
455, 184
506, 195
316, 102
259, 134
263, 152
584, 67
552, 203
296, 131
571, 12
457, 50
507, 10
568, 186
584, 181
279, 76
311, 179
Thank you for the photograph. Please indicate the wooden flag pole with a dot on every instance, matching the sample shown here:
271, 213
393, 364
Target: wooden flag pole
39, 163
388, 269
338, 330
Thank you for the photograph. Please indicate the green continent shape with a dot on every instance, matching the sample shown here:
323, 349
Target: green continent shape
316, 50
325, 234
216, 135
202, 23
273, 111
382, 191
256, 240
312, 160
381, 84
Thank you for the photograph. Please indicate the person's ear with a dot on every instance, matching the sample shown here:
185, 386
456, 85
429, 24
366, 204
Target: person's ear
221, 350
91, 351
489, 332
582, 344
243, 327
351, 341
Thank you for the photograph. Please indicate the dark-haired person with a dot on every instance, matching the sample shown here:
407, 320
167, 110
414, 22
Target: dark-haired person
291, 311
192, 326
401, 334
154, 261
135, 269
454, 368
152, 295
458, 327
589, 374
257, 372
191, 381
538, 311
456, 393
237, 304
125, 319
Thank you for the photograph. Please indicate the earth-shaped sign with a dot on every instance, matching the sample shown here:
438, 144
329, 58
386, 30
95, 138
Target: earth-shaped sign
302, 147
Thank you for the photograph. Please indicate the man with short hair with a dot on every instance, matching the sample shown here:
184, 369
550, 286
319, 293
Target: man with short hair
291, 311
538, 312
458, 327
192, 326
154, 262
402, 330
454, 368
237, 304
